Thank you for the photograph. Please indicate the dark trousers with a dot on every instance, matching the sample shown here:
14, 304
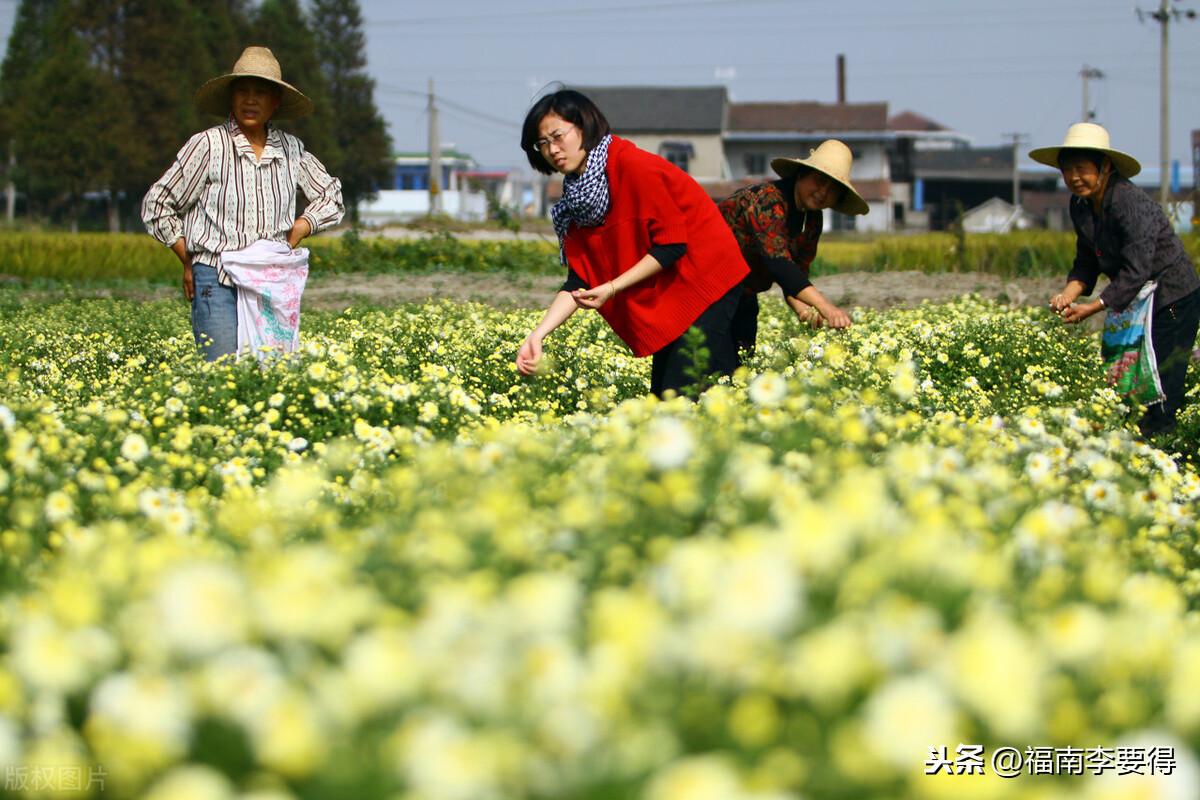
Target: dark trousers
671, 368
1174, 336
745, 324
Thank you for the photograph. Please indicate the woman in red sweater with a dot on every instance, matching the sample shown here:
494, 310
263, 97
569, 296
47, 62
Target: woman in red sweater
642, 242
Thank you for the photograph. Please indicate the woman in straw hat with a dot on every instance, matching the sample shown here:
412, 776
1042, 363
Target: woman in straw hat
1121, 232
778, 226
643, 244
235, 184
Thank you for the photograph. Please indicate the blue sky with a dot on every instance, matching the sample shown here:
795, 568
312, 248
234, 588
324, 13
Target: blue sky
984, 68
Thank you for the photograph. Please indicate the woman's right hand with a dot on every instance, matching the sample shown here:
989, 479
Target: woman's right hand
179, 248
530, 355
1060, 302
189, 284
834, 316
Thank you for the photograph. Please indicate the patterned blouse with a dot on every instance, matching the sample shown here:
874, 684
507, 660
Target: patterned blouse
778, 239
218, 196
1131, 242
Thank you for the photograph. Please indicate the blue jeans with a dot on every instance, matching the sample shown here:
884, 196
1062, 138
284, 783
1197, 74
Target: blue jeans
214, 313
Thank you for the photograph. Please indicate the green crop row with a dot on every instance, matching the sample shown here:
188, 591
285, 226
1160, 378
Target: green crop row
87, 257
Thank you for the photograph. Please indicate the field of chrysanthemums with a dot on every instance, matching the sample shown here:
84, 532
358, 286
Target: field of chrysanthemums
389, 567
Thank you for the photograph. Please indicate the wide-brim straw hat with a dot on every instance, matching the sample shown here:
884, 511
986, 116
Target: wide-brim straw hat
255, 62
832, 158
1088, 136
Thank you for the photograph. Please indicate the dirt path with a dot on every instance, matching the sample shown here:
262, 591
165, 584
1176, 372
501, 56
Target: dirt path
868, 289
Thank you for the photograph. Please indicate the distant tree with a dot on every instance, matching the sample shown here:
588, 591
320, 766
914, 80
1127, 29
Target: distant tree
72, 126
281, 25
27, 47
129, 53
362, 137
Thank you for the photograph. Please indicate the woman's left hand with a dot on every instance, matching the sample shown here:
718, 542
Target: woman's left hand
595, 297
1078, 312
300, 230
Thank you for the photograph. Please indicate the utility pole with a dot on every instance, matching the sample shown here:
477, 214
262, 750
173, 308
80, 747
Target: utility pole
1017, 138
1088, 73
435, 156
1163, 16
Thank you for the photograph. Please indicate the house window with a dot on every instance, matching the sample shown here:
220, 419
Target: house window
678, 153
842, 222
756, 163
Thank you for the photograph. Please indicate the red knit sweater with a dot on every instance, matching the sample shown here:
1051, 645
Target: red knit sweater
655, 202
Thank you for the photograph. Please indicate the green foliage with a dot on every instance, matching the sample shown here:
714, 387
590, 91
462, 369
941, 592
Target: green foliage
103, 96
283, 26
32, 256
364, 155
440, 251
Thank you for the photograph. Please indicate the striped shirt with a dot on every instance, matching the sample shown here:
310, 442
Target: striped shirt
218, 196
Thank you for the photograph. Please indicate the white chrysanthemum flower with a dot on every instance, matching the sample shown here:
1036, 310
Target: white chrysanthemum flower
904, 380
1038, 466
768, 389
298, 444
695, 778
543, 603
58, 507
47, 657
8, 420
201, 608
757, 592
239, 683
439, 757
176, 520
152, 502
904, 716
149, 707
192, 783
381, 668
669, 443
1102, 494
134, 447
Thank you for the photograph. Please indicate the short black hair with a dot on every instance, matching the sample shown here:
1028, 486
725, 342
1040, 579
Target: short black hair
576, 109
1075, 153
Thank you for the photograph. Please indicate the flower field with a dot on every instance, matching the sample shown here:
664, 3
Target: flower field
389, 567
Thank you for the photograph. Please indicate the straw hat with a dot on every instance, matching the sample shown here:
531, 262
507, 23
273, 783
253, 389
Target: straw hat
1088, 136
831, 158
255, 62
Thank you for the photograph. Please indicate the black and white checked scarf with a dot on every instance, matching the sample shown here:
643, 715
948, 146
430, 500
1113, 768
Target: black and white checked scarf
585, 197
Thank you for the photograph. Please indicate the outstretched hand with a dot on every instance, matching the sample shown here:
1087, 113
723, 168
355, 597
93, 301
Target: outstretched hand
530, 355
1078, 312
595, 297
834, 317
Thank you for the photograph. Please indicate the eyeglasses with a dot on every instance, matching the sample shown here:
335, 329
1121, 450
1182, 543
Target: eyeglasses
543, 145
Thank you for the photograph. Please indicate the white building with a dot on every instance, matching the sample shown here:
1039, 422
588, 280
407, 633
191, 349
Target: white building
461, 193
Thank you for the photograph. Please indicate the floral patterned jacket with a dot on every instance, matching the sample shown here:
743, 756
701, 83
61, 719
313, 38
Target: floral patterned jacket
778, 239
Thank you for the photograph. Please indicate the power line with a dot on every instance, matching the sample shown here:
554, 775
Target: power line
542, 13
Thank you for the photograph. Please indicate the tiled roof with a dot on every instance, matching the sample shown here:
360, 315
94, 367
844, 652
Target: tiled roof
807, 116
912, 121
647, 109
